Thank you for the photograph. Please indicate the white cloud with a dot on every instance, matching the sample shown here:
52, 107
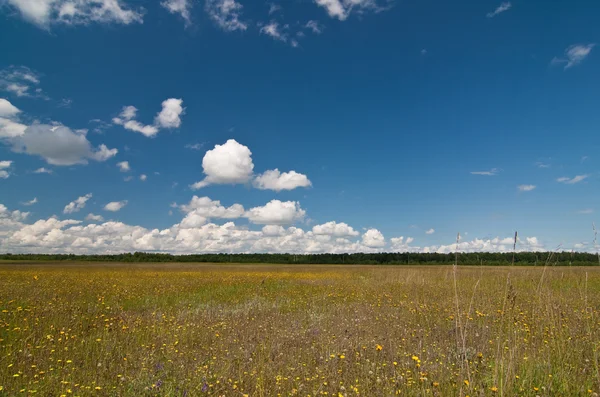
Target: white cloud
42, 170
7, 109
126, 120
4, 165
430, 231
195, 146
275, 180
95, 218
541, 164
197, 235
490, 245
586, 211
21, 81
181, 7
226, 14
59, 145
276, 212
229, 163
77, 205
526, 188
314, 26
169, 116
492, 172
571, 181
10, 128
574, 55
211, 208
500, 9
143, 177
124, 166
81, 12
31, 202
373, 239
341, 9
335, 229
272, 29
399, 244
115, 206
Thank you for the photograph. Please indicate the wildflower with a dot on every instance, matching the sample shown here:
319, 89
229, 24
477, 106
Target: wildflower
98, 388
342, 356
494, 389
466, 382
436, 384
378, 347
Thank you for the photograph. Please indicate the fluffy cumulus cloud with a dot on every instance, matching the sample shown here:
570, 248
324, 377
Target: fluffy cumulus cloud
168, 117
77, 205
181, 7
373, 238
400, 244
430, 231
275, 180
59, 145
115, 206
7, 109
124, 166
490, 245
226, 14
4, 166
94, 218
574, 55
334, 229
229, 163
10, 127
276, 212
196, 233
82, 12
341, 9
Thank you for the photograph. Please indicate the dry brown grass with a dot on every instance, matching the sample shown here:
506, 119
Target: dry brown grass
261, 330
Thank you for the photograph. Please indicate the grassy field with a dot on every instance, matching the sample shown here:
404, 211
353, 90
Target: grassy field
260, 330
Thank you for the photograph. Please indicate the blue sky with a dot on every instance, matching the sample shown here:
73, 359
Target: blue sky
397, 118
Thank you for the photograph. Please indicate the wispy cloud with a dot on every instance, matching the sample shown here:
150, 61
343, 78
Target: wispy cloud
526, 188
30, 202
492, 172
42, 171
226, 14
430, 231
586, 211
21, 81
571, 181
500, 9
541, 164
574, 55
194, 146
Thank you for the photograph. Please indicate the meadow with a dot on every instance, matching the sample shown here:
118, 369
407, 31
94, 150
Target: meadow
170, 329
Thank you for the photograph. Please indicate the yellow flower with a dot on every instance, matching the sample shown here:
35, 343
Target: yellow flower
342, 356
436, 384
98, 388
466, 382
494, 389
378, 347
415, 358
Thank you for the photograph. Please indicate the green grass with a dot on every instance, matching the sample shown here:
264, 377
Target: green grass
265, 330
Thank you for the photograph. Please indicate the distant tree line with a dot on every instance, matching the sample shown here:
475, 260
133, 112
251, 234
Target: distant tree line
390, 258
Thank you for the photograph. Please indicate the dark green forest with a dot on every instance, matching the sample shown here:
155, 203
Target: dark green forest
481, 258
